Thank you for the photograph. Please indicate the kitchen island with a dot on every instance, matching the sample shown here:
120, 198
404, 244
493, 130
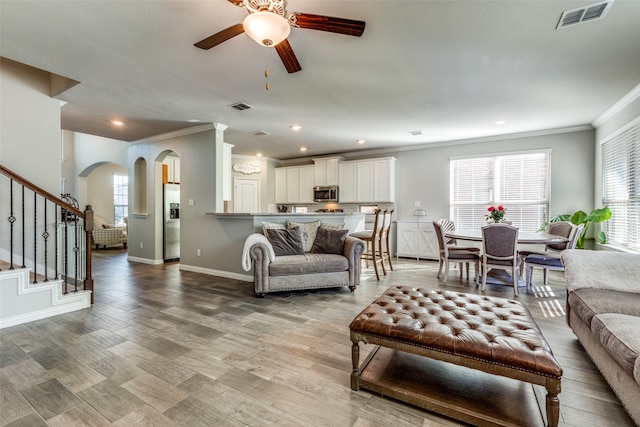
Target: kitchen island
222, 255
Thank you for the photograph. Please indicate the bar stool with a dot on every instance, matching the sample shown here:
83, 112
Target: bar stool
372, 242
384, 239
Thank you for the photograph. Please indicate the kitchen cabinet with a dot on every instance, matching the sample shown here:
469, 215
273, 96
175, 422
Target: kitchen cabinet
171, 170
371, 180
294, 184
416, 240
326, 171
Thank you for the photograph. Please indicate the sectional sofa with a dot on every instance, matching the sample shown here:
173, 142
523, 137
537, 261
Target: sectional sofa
603, 310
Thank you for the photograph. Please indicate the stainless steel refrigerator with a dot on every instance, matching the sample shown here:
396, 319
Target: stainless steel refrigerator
171, 222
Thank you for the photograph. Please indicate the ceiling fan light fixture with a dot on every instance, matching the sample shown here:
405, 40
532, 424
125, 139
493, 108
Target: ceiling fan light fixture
266, 28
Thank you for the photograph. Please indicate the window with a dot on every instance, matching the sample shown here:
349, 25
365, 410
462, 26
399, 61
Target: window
621, 189
518, 181
120, 198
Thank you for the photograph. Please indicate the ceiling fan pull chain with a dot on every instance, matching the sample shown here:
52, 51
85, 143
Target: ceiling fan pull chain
266, 68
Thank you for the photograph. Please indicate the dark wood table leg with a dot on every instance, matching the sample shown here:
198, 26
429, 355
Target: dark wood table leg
355, 360
552, 402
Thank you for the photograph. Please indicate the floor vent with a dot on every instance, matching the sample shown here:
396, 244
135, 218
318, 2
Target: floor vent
583, 14
240, 106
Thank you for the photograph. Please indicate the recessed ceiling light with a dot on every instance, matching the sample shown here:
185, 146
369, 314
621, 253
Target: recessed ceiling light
193, 120
500, 122
295, 128
360, 141
117, 122
259, 154
303, 148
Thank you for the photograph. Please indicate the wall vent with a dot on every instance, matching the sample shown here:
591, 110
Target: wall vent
416, 132
259, 133
240, 106
583, 14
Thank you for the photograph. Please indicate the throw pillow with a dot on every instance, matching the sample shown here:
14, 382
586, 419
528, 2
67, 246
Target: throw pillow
308, 232
332, 226
285, 241
329, 241
272, 225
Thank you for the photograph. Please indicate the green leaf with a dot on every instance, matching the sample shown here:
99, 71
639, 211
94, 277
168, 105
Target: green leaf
602, 237
579, 218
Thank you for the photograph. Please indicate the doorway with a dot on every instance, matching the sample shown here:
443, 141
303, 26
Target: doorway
246, 198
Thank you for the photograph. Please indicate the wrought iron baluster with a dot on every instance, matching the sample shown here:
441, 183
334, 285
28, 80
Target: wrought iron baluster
45, 236
12, 220
55, 223
75, 252
35, 238
65, 269
24, 242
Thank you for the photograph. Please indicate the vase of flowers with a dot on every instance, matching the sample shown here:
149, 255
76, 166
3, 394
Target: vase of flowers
496, 214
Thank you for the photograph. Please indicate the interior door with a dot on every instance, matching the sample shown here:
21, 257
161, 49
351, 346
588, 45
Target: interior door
246, 197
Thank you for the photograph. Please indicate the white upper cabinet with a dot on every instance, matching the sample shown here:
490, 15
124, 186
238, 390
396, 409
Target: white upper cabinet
365, 181
294, 184
347, 184
326, 171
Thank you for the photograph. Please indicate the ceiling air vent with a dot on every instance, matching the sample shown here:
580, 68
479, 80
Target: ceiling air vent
583, 14
240, 106
259, 133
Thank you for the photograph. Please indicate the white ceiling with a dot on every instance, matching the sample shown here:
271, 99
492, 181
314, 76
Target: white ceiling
448, 68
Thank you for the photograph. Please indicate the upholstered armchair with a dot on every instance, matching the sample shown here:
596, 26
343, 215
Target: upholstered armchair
105, 234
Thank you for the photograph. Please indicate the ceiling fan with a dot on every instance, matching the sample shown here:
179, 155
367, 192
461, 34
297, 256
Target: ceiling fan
267, 25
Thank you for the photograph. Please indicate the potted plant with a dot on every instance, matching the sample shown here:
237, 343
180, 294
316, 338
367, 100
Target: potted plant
581, 217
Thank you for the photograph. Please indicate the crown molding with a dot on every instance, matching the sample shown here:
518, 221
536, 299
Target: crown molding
176, 133
617, 107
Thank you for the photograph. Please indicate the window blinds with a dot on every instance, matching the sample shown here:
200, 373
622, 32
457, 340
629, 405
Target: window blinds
519, 182
621, 188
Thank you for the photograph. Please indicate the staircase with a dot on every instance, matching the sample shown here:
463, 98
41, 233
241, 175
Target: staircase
22, 301
46, 243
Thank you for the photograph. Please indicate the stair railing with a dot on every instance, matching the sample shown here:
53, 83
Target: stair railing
45, 233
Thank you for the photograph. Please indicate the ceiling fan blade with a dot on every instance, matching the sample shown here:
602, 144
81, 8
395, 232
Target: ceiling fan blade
348, 27
219, 37
285, 52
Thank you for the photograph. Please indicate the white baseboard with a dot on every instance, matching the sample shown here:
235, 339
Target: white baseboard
71, 302
220, 273
58, 304
145, 260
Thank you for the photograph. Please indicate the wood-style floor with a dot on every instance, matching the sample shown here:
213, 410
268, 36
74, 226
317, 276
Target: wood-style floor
162, 347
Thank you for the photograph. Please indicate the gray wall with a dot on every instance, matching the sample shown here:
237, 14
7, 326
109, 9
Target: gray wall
423, 175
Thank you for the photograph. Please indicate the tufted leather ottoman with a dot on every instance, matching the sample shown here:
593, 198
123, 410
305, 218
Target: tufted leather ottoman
490, 334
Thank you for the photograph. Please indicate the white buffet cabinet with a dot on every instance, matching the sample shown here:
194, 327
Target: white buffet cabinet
416, 240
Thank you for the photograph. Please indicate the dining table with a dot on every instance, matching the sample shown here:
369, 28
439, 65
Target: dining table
503, 277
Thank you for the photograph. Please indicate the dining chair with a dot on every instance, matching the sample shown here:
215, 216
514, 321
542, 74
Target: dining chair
500, 251
558, 228
372, 242
449, 226
383, 242
449, 253
551, 260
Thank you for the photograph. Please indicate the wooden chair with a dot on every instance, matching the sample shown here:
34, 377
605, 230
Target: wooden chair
372, 241
500, 251
450, 226
455, 254
383, 242
558, 228
551, 260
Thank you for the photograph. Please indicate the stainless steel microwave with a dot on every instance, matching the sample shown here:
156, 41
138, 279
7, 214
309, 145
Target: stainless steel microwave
325, 194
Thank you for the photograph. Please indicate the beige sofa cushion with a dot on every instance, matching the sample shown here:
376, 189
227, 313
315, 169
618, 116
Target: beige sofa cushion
618, 334
587, 303
308, 263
